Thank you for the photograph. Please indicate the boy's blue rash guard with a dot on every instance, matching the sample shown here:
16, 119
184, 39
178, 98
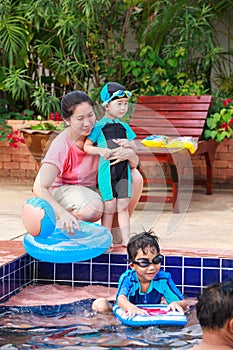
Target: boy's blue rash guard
161, 286
111, 177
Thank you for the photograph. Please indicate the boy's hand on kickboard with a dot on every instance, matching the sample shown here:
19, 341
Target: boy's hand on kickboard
175, 307
134, 310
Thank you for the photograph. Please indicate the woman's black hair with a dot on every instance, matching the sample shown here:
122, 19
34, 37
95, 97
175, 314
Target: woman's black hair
71, 100
142, 241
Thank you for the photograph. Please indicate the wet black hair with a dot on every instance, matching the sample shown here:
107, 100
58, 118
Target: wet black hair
215, 305
143, 241
71, 100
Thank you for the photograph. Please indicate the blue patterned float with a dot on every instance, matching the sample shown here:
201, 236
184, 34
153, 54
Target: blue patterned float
157, 316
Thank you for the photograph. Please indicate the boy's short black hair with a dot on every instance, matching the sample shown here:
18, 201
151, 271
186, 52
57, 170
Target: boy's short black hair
142, 241
215, 305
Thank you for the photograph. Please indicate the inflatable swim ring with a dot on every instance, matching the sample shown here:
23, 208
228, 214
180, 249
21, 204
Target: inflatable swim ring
38, 217
157, 316
59, 247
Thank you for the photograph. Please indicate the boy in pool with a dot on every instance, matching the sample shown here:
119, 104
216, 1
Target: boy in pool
144, 283
114, 177
215, 314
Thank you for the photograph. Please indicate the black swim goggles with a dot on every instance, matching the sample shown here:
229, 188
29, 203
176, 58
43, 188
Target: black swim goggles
145, 262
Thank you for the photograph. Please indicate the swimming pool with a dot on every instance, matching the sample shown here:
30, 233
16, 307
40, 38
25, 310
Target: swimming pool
190, 273
74, 324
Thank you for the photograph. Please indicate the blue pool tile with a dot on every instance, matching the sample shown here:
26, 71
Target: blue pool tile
211, 262
115, 272
29, 273
192, 262
17, 279
118, 259
6, 283
211, 276
173, 260
191, 292
45, 270
176, 274
227, 263
1, 287
104, 258
192, 276
82, 272
63, 272
227, 274
100, 273
6, 269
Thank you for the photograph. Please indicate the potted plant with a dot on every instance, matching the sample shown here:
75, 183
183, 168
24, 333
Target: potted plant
38, 135
34, 132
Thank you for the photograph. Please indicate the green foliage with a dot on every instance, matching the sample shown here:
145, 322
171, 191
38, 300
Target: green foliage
27, 114
47, 126
44, 102
17, 83
4, 130
219, 125
152, 75
52, 47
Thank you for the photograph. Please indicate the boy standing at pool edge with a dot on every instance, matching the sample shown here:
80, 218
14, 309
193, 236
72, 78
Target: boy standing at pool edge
144, 283
114, 177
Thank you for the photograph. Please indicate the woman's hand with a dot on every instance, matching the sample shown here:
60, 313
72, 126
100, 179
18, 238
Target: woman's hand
121, 153
126, 143
68, 222
105, 153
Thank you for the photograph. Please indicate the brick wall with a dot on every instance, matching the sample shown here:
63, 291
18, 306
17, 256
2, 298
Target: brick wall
17, 165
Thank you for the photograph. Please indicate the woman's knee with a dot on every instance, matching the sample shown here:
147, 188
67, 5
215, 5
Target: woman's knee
91, 212
137, 179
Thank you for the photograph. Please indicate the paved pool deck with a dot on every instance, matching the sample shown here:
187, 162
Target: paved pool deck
205, 225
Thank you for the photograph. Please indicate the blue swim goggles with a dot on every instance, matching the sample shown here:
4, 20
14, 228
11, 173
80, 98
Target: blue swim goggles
145, 262
118, 93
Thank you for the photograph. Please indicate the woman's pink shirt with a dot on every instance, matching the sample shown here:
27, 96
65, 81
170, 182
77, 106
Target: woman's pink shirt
75, 166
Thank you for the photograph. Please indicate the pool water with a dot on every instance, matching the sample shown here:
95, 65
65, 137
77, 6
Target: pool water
74, 325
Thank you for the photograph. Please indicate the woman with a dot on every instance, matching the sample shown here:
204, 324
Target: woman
67, 177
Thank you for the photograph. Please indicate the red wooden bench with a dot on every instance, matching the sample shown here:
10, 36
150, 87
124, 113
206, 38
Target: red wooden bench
173, 116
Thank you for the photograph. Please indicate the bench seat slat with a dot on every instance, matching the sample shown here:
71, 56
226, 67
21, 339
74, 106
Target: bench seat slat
175, 99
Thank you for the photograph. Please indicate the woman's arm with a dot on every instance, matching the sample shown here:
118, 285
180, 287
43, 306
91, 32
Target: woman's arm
121, 153
44, 179
95, 150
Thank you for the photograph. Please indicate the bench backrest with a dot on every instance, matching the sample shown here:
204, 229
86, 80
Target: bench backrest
170, 115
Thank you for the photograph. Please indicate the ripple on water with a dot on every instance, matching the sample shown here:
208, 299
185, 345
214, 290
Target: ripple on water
72, 323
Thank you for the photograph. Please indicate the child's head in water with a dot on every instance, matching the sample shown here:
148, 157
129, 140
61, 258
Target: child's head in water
215, 305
